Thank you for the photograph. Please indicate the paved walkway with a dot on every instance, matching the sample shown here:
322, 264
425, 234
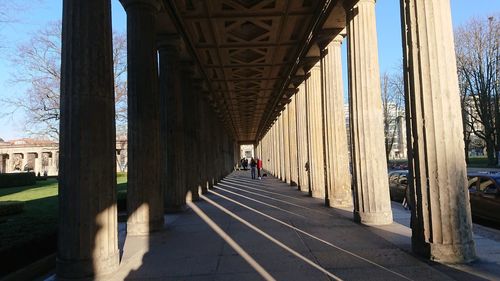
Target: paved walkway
266, 230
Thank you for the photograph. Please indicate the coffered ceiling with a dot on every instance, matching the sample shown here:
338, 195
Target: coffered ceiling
249, 52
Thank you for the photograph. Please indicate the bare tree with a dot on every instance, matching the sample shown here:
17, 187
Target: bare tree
477, 50
37, 70
392, 87
10, 11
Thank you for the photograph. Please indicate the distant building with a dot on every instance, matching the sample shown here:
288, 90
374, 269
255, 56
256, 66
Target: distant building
42, 156
397, 126
247, 151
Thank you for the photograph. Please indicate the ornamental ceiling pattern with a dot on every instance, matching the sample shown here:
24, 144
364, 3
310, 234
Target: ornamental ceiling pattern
245, 48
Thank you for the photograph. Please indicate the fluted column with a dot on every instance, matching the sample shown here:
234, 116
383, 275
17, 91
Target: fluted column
371, 192
275, 150
87, 221
292, 137
204, 147
286, 144
190, 111
211, 149
441, 220
279, 131
338, 175
144, 194
172, 125
315, 133
302, 147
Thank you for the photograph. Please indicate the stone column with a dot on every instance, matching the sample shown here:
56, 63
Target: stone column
144, 194
286, 144
372, 205
175, 194
302, 147
171, 115
441, 219
338, 175
315, 133
88, 230
281, 147
210, 147
292, 139
217, 147
277, 158
189, 104
204, 135
274, 143
38, 163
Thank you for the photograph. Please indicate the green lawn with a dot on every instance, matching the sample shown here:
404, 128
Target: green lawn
478, 162
40, 211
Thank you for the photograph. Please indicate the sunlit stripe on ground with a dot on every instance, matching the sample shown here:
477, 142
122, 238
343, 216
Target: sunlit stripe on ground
274, 199
269, 237
310, 235
255, 200
253, 263
259, 187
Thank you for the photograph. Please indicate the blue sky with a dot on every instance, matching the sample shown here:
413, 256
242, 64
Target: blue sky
41, 12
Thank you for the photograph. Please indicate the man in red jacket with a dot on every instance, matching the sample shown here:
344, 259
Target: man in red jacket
259, 167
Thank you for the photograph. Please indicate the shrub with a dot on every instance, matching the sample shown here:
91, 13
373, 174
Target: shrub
11, 207
17, 179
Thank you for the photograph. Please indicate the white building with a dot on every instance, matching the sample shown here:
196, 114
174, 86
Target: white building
42, 156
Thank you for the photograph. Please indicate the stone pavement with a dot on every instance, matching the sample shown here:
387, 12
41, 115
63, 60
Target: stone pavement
266, 230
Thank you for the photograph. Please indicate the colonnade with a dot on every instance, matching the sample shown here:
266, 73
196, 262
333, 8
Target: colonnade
177, 146
316, 130
40, 160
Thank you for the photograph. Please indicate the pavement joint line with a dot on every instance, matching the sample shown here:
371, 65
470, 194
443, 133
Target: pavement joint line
247, 257
301, 238
282, 201
260, 202
308, 234
263, 233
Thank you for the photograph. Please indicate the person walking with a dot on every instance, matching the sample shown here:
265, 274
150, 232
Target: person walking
259, 168
253, 165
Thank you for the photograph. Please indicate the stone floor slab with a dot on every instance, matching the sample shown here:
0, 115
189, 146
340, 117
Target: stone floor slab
290, 235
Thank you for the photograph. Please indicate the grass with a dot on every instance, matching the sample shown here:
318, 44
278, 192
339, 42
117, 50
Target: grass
39, 217
478, 162
121, 186
40, 212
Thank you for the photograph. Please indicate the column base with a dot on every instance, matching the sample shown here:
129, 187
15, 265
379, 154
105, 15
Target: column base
340, 203
453, 253
87, 269
193, 195
204, 187
175, 209
316, 194
139, 229
380, 218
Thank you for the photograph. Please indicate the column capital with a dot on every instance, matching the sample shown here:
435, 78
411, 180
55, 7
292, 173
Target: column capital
166, 40
339, 38
349, 4
152, 4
